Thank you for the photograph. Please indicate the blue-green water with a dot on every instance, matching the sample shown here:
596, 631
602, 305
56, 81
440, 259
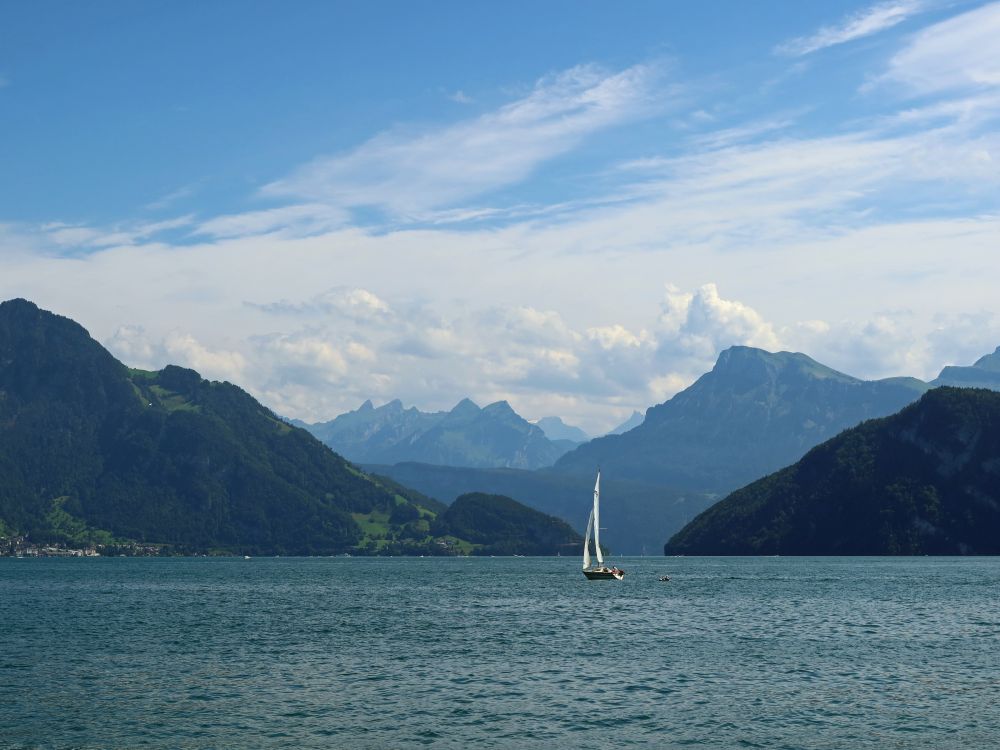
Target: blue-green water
519, 653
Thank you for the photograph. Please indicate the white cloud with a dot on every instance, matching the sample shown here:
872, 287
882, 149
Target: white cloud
350, 302
79, 236
559, 307
215, 364
409, 173
460, 97
863, 23
961, 53
165, 201
311, 218
131, 345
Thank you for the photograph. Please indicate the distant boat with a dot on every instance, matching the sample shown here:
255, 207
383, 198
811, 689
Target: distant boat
600, 571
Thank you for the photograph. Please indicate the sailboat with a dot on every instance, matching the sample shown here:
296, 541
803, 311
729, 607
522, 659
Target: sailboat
600, 571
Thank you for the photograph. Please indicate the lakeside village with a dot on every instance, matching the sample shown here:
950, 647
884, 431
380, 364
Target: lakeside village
21, 546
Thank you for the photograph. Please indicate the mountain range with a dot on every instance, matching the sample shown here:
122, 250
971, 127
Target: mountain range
494, 436
923, 481
754, 413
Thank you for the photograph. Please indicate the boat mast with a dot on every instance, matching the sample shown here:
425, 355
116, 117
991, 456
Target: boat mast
597, 519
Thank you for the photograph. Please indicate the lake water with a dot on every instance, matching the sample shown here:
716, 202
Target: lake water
507, 653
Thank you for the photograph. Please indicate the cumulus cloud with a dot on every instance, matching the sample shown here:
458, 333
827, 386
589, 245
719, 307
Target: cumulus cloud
863, 23
350, 302
214, 364
526, 355
407, 173
130, 344
811, 241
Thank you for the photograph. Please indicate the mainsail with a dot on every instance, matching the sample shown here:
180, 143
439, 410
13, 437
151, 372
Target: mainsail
597, 519
586, 541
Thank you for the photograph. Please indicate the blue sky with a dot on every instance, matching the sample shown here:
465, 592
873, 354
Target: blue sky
571, 205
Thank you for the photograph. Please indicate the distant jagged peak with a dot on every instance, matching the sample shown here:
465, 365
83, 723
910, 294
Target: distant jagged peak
556, 429
499, 407
368, 408
465, 406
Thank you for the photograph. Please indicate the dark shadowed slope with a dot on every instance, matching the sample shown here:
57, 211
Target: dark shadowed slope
504, 526
924, 481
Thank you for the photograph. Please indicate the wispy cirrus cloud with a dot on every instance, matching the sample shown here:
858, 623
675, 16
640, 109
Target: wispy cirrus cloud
295, 220
407, 173
863, 23
961, 53
83, 237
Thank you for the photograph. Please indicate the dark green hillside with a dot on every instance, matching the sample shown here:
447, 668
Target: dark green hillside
924, 481
91, 451
505, 527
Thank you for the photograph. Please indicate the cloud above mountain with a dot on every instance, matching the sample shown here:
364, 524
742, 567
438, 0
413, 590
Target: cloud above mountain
584, 238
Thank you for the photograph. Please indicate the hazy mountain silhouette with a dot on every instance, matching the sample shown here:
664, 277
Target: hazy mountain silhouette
985, 373
555, 429
492, 437
754, 412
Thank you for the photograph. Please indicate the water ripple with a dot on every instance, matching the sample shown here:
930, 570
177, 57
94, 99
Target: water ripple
498, 653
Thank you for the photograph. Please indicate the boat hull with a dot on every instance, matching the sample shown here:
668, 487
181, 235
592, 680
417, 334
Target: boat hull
604, 574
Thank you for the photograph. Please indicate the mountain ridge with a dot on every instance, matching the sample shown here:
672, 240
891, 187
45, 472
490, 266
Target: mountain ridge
493, 436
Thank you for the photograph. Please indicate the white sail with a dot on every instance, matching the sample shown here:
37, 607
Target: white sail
597, 519
586, 541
